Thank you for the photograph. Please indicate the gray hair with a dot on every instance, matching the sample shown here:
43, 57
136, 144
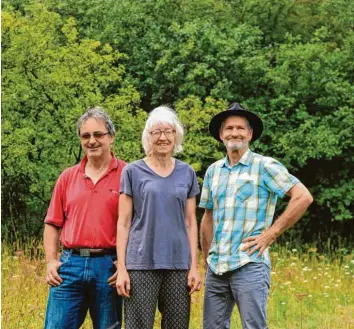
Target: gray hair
223, 123
97, 113
162, 115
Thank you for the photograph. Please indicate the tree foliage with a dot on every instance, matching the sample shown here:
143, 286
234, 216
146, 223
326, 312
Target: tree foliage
49, 78
291, 62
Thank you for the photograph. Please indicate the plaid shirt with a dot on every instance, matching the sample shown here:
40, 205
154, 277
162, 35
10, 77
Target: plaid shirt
243, 200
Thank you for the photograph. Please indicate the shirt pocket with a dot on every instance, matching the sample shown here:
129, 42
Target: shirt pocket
244, 190
181, 191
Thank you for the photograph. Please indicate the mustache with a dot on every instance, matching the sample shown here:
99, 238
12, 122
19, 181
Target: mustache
235, 144
235, 139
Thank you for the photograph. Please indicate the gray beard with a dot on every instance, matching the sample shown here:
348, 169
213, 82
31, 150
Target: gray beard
237, 147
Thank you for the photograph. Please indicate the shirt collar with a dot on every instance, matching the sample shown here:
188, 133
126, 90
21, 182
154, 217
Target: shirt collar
245, 160
113, 165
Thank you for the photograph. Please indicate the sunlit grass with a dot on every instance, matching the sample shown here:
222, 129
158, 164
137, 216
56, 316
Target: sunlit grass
308, 290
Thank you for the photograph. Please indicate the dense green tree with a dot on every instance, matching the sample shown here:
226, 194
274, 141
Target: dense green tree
178, 48
49, 78
291, 62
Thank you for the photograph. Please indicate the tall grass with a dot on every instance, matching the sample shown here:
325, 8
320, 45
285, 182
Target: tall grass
309, 290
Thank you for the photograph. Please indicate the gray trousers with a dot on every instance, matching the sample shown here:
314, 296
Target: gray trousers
247, 286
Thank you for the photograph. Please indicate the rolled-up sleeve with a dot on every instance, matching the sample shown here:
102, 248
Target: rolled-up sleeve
277, 178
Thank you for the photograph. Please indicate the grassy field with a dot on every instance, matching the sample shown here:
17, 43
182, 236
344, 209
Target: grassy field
308, 290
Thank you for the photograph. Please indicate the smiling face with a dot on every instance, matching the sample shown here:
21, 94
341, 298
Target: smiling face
236, 133
98, 146
162, 139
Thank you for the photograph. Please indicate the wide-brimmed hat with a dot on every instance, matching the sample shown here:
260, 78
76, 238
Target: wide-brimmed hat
236, 109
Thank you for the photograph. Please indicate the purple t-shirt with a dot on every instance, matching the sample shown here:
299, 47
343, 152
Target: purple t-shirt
158, 236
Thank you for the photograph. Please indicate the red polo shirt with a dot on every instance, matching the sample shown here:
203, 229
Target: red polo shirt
87, 213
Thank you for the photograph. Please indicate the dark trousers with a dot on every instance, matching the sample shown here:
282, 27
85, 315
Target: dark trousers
165, 288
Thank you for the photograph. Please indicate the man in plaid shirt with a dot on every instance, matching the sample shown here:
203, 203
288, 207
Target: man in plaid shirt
239, 196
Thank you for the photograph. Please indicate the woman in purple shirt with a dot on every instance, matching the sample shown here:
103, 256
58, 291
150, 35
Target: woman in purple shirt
157, 229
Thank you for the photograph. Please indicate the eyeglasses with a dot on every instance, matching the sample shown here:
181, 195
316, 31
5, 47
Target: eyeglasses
157, 133
96, 135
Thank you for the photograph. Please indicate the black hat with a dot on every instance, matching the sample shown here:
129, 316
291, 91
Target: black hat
236, 109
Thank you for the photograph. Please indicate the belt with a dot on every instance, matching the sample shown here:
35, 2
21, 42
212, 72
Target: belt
88, 252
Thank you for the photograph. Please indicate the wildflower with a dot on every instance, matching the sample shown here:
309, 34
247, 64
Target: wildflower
300, 296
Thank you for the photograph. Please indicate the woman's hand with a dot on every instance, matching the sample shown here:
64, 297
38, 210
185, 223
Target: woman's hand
194, 280
123, 283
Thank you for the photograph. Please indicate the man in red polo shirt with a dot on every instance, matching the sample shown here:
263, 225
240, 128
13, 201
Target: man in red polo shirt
83, 212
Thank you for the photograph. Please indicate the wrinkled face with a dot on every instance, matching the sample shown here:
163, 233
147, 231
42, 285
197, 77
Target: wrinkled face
235, 133
162, 139
95, 139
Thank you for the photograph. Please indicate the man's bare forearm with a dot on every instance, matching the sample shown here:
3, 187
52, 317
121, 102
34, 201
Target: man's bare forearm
206, 232
51, 242
298, 204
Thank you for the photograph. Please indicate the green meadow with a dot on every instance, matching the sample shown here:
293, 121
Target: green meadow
309, 290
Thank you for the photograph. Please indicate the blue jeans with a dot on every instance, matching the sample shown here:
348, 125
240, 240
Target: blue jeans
247, 286
84, 287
